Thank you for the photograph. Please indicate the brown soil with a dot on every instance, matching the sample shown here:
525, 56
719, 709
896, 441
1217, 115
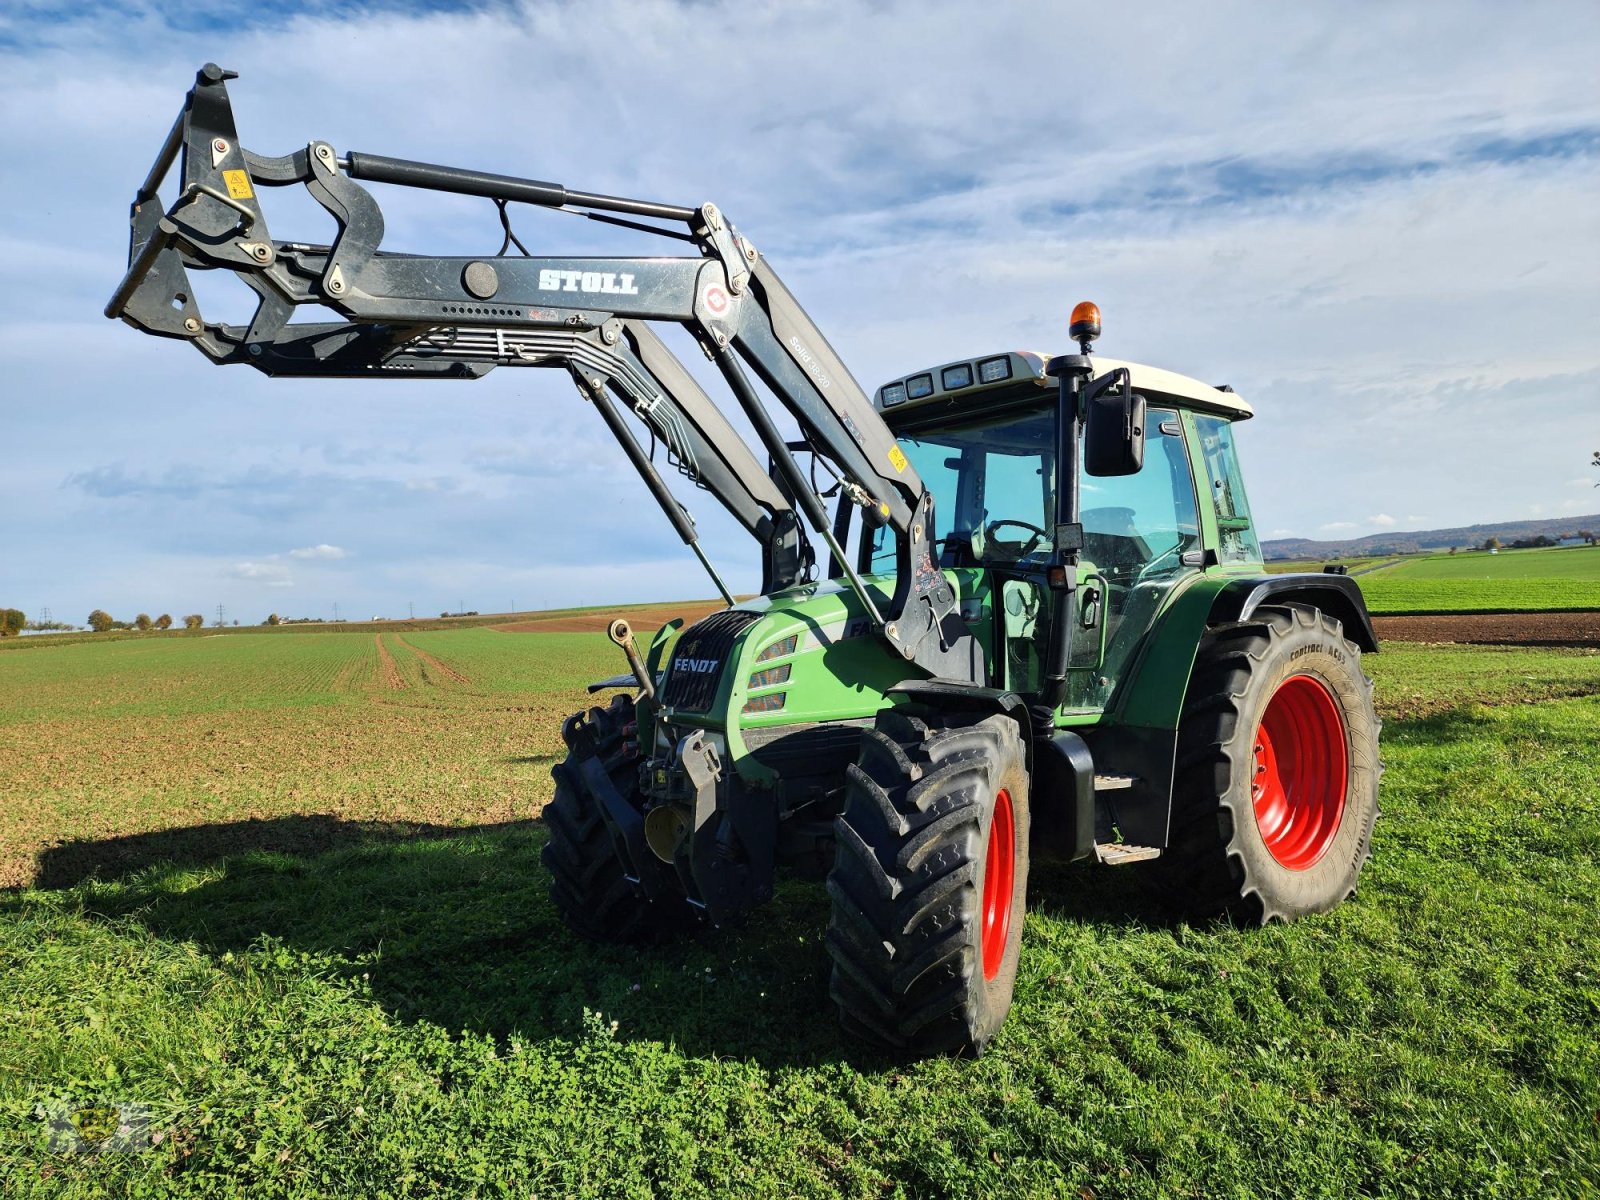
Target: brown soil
437, 664
386, 668
1502, 629
646, 618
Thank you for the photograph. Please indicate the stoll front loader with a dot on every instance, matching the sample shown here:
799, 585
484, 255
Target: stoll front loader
1038, 619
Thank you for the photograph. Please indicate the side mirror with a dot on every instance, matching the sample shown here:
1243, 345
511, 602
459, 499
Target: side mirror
1113, 431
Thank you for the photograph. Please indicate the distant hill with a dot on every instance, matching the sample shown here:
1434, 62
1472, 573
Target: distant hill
1393, 542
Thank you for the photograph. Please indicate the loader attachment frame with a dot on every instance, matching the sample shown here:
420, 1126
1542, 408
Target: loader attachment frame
438, 317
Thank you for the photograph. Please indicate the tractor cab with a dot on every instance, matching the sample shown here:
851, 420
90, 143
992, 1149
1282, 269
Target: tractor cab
985, 436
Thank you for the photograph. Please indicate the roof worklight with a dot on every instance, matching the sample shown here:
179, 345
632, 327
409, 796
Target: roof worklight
919, 386
1085, 325
956, 377
893, 394
993, 370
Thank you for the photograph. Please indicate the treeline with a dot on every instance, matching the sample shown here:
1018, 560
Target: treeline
101, 622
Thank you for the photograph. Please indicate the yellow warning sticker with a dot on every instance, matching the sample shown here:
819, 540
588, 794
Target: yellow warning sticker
897, 459
238, 184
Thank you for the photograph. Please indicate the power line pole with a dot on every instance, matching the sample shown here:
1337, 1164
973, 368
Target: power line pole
411, 610
221, 613
335, 612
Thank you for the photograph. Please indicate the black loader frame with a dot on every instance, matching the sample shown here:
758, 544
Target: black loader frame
434, 317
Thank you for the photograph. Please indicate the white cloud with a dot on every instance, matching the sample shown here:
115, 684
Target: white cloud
1337, 526
321, 550
270, 572
1383, 520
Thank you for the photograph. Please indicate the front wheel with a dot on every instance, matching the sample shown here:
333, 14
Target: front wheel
1276, 791
930, 881
589, 883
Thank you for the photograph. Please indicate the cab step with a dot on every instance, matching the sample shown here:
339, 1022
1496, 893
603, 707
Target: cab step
1117, 854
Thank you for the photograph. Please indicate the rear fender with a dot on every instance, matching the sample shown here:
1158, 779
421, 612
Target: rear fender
1337, 595
1139, 736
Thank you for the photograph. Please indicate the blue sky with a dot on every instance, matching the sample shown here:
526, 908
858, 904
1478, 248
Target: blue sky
1379, 225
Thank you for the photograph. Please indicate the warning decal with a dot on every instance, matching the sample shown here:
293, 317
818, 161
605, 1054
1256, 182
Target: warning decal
238, 184
897, 459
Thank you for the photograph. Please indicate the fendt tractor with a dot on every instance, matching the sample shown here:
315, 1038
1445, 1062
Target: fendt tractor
1035, 621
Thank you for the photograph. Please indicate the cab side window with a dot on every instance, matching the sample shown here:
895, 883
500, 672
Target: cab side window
1137, 527
1239, 542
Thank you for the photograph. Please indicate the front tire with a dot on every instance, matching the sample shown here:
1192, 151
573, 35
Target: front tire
1276, 790
588, 880
929, 884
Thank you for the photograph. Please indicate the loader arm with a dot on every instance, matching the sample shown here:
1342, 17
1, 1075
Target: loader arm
438, 317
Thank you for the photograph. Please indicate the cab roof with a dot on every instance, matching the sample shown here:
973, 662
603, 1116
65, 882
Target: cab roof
972, 376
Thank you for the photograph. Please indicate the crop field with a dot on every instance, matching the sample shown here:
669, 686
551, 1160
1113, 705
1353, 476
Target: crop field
1565, 579
282, 896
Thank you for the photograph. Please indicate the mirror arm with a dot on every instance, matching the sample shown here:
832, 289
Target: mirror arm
1072, 371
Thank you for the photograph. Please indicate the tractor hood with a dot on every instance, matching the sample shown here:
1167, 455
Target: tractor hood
789, 661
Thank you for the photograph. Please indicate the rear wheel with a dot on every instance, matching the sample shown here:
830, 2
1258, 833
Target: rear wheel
1276, 791
929, 885
588, 881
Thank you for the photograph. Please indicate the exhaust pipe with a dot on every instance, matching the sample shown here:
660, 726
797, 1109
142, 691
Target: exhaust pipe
621, 633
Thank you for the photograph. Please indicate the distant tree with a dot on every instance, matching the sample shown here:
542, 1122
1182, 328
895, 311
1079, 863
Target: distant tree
272, 619
100, 620
193, 621
1452, 549
1491, 543
164, 621
143, 622
12, 622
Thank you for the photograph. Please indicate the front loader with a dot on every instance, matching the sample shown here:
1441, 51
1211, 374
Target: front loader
1037, 621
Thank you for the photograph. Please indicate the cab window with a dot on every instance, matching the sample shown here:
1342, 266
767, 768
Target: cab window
1137, 527
993, 485
1237, 535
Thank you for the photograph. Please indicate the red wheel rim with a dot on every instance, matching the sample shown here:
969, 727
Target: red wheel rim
1301, 772
999, 881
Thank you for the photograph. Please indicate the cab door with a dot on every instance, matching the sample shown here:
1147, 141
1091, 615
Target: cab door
1141, 539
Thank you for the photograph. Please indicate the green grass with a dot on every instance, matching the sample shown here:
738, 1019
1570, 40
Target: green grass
346, 997
401, 626
1510, 581
1284, 566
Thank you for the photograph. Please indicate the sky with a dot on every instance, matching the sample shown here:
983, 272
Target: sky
1378, 223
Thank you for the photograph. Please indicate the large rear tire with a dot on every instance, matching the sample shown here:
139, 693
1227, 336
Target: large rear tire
1276, 790
929, 884
588, 881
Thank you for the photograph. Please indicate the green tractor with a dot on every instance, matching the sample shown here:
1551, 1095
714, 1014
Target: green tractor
1212, 723
1038, 623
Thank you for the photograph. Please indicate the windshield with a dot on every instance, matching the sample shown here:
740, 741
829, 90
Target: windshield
993, 485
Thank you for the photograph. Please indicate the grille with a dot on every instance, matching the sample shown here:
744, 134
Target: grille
706, 646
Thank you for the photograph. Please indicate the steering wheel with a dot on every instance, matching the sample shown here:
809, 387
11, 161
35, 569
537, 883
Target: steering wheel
1039, 535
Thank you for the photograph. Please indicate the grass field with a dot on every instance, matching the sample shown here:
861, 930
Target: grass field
1544, 580
284, 893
